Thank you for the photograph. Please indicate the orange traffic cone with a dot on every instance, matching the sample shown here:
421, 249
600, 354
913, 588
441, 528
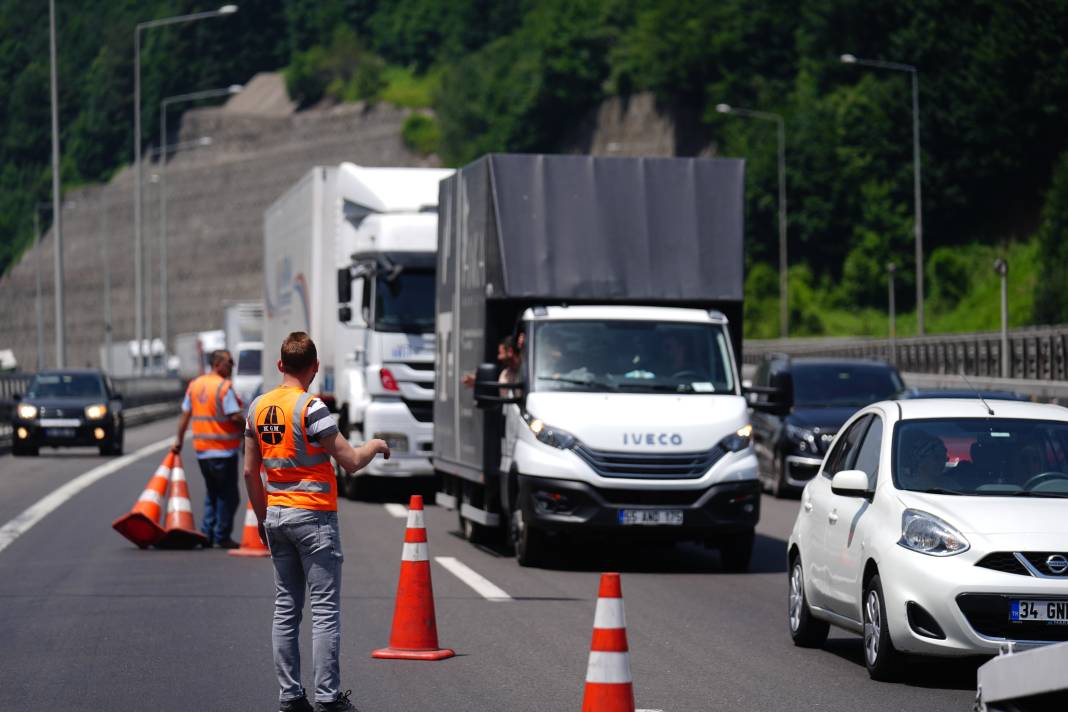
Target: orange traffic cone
415, 631
251, 544
181, 530
608, 681
141, 525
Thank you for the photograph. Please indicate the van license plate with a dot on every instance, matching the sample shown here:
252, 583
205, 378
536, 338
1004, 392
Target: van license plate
650, 517
1055, 612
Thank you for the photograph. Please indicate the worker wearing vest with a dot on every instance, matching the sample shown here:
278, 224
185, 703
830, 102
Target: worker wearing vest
215, 411
291, 435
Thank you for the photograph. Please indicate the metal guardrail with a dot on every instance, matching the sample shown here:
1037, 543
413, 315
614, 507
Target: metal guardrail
1039, 354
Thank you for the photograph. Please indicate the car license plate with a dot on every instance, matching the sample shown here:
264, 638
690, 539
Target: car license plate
1054, 612
59, 432
650, 517
60, 422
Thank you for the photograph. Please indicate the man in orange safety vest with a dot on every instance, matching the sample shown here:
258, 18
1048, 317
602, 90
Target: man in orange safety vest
291, 435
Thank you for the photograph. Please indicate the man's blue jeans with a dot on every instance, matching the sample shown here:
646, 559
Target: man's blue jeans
306, 551
221, 497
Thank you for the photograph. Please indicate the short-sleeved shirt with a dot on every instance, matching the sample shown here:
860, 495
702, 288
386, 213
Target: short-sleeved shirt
230, 406
317, 422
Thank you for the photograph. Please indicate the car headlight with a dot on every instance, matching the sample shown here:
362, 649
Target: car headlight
930, 535
803, 437
96, 411
27, 411
554, 437
738, 440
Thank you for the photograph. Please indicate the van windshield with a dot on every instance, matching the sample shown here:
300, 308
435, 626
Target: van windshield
632, 357
249, 361
406, 302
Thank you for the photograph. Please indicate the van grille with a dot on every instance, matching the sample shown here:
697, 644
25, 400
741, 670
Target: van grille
650, 466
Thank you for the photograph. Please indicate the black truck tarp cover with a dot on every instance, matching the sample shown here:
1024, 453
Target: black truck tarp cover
517, 230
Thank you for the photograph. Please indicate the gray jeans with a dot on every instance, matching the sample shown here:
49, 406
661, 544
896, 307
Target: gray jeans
306, 550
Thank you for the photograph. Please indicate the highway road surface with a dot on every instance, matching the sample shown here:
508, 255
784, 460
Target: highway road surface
89, 622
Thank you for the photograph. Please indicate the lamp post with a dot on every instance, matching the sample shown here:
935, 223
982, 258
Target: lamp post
57, 214
918, 197
891, 268
38, 304
1001, 267
139, 288
784, 307
164, 304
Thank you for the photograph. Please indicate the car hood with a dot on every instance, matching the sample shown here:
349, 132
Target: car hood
993, 515
641, 422
825, 419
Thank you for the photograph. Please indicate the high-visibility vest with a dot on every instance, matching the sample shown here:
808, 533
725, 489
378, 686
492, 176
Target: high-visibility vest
299, 472
213, 429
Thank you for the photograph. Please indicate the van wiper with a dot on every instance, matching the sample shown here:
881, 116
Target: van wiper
659, 387
1025, 493
577, 381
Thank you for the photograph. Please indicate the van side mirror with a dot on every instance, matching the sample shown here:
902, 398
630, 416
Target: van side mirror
488, 388
344, 286
344, 313
851, 483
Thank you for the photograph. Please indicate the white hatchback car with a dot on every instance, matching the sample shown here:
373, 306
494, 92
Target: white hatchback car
937, 527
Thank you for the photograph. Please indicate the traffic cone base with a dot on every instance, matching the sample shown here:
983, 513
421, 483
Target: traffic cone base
139, 529
251, 545
141, 525
395, 654
181, 532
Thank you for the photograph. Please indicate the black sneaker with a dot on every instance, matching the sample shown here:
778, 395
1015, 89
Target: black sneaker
300, 704
341, 704
228, 544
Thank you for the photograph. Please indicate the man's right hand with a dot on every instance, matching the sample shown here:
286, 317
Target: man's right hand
176, 447
377, 447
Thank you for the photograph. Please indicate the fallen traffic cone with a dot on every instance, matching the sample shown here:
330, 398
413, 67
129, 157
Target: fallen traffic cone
415, 631
251, 544
608, 681
181, 532
141, 525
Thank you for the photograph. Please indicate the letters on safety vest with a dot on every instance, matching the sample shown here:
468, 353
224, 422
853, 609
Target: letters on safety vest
212, 428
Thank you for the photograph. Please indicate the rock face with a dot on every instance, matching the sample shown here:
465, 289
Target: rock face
215, 197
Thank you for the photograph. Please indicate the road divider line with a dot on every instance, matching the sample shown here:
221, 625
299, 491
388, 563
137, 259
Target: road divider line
396, 510
46, 505
481, 585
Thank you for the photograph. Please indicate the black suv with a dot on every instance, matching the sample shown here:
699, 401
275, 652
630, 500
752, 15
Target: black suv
798, 404
71, 407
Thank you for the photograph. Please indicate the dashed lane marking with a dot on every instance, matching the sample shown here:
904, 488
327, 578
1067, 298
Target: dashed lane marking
482, 585
45, 506
396, 510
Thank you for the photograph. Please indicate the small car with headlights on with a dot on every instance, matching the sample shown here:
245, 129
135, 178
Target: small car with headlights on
936, 527
68, 408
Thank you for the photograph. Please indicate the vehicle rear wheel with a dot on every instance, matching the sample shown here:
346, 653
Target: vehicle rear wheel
806, 631
883, 661
528, 541
736, 552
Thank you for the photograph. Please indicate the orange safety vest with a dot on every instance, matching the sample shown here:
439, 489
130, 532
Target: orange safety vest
299, 472
212, 428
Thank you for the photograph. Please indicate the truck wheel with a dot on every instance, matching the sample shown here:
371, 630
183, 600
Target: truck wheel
736, 552
528, 541
471, 531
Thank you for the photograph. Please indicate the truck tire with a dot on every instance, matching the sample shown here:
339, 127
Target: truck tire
529, 542
736, 551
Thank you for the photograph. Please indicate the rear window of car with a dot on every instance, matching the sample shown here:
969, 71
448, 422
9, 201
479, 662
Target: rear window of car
66, 385
843, 384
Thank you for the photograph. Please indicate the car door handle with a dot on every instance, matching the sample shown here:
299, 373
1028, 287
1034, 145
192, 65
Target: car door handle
832, 517
807, 504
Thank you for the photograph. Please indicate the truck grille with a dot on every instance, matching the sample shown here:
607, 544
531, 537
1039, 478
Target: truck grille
423, 411
650, 466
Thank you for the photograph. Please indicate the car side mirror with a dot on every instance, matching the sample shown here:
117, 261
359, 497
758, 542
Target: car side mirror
851, 483
767, 399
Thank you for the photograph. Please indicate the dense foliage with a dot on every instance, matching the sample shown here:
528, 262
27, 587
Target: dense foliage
519, 75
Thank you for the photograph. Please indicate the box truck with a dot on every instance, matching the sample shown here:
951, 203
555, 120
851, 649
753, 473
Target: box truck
623, 279
349, 258
243, 324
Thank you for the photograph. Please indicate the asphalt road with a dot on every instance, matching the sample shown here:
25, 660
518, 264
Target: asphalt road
89, 622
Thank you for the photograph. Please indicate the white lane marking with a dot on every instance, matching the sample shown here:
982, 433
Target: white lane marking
396, 510
46, 505
482, 585
644, 710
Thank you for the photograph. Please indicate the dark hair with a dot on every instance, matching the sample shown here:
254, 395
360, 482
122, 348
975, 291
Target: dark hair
218, 356
508, 343
298, 353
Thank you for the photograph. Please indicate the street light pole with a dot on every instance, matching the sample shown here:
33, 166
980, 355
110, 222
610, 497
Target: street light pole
57, 215
916, 172
1001, 267
38, 307
784, 305
139, 266
891, 268
164, 304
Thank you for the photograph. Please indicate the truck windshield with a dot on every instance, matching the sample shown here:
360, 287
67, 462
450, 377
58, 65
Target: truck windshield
248, 361
631, 356
405, 303
66, 385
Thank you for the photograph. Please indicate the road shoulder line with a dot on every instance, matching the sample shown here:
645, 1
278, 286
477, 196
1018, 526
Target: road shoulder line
481, 585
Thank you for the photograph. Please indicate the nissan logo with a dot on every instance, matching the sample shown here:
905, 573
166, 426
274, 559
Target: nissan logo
1057, 564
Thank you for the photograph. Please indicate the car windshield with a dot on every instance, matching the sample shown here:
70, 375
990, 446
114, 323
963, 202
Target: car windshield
818, 385
631, 356
982, 456
248, 361
406, 302
66, 385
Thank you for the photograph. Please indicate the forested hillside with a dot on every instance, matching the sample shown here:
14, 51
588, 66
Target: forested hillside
517, 75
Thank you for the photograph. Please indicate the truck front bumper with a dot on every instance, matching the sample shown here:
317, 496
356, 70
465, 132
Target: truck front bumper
411, 441
723, 508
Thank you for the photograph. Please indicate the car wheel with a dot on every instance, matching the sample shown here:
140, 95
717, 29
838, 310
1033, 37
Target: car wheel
736, 552
528, 541
806, 631
883, 661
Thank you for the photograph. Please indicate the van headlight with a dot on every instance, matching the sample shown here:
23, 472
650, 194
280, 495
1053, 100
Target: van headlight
738, 440
553, 437
930, 535
27, 411
96, 411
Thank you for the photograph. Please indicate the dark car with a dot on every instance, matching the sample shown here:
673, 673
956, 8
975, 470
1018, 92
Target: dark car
68, 408
798, 405
913, 393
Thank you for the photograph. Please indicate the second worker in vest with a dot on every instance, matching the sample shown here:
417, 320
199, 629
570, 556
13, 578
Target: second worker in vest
215, 412
291, 434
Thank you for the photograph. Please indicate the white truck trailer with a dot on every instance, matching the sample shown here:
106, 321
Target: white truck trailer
243, 324
349, 257
625, 417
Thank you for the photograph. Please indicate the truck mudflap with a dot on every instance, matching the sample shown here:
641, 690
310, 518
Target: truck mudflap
570, 506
